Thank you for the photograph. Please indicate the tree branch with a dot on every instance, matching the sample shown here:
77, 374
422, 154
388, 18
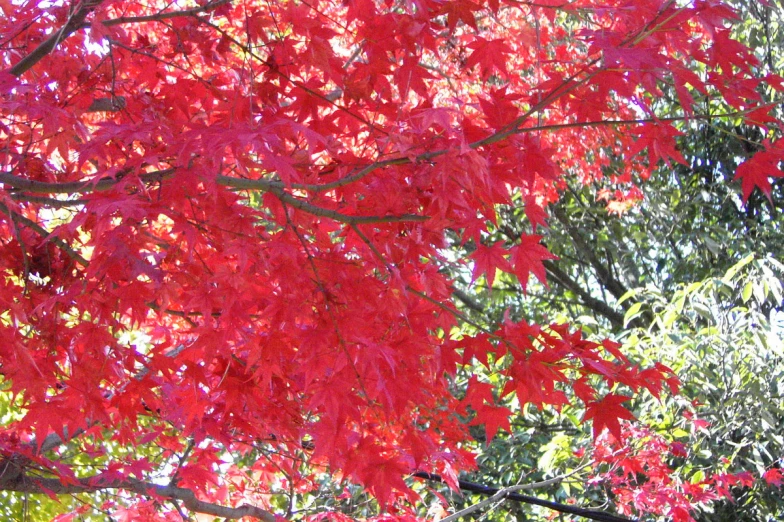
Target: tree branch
504, 493
590, 514
74, 23
467, 300
45, 234
77, 21
76, 187
616, 288
493, 138
25, 484
287, 198
165, 15
276, 188
562, 278
41, 187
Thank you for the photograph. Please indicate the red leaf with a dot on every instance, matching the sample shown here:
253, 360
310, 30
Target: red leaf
488, 259
757, 171
527, 257
490, 55
493, 418
774, 477
606, 414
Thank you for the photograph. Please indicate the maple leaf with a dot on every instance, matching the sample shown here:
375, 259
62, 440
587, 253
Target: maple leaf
490, 55
477, 346
492, 418
774, 477
527, 257
460, 10
756, 171
606, 414
535, 212
488, 259
659, 140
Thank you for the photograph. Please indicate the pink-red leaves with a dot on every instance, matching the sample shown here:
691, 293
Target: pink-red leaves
774, 477
659, 140
493, 418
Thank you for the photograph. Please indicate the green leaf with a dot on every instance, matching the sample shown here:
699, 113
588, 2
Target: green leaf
632, 312
747, 291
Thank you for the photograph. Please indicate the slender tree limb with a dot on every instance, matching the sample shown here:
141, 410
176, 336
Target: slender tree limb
48, 202
76, 187
616, 288
303, 205
493, 138
45, 234
467, 300
276, 188
26, 484
83, 187
499, 496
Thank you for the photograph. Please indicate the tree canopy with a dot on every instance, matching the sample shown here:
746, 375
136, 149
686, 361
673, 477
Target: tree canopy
253, 251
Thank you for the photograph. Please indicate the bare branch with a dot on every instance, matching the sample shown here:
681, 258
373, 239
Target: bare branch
590, 514
75, 187
512, 129
563, 279
503, 493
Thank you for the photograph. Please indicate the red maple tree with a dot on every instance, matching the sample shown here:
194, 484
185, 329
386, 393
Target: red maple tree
225, 223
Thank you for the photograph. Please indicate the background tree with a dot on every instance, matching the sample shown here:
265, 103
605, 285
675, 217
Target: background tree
233, 232
672, 257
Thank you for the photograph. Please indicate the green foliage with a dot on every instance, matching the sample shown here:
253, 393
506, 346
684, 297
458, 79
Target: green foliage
725, 337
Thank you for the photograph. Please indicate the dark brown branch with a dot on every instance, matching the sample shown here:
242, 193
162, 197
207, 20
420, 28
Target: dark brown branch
75, 187
45, 234
590, 514
467, 300
41, 187
616, 288
562, 278
493, 138
49, 202
343, 218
